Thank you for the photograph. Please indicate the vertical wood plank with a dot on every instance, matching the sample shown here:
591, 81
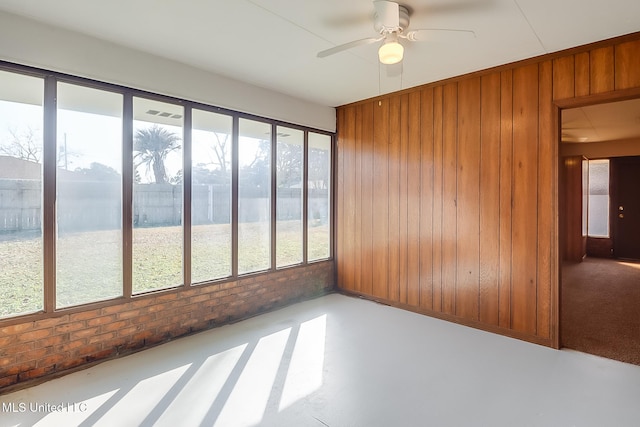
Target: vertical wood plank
601, 69
366, 210
449, 195
490, 200
506, 197
438, 200
356, 190
468, 200
341, 127
563, 77
525, 209
380, 198
349, 207
627, 65
394, 198
426, 199
546, 156
582, 74
403, 200
413, 200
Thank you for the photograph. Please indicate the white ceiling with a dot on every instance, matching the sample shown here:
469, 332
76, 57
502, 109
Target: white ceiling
273, 43
613, 121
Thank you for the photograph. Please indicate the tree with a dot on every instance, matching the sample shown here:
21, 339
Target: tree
152, 145
99, 172
25, 145
289, 165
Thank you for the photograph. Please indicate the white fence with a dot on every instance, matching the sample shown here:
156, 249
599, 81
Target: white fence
94, 205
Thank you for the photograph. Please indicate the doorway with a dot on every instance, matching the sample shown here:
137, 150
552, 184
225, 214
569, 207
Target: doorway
600, 290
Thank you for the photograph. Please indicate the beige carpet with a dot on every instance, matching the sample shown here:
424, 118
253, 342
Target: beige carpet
600, 308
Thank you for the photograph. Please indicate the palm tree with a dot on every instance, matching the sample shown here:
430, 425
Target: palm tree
152, 145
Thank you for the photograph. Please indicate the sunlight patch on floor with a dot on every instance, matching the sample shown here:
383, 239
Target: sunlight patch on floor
307, 362
248, 400
191, 405
142, 398
76, 413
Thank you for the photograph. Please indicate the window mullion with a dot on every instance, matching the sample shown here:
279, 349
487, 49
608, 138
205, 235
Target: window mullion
305, 195
235, 137
186, 194
274, 194
127, 194
49, 163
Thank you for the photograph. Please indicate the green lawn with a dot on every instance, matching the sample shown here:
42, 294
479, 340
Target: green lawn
89, 264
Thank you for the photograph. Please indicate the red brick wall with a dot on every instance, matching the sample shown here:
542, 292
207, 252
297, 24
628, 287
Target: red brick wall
36, 349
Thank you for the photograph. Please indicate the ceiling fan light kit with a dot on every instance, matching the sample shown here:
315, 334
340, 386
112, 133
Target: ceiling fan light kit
391, 51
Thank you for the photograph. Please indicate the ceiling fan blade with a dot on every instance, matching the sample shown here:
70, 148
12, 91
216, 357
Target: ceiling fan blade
349, 45
439, 35
387, 14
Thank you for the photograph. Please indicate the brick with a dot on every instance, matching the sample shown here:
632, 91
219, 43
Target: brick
84, 315
35, 373
16, 329
48, 323
143, 319
70, 363
7, 361
83, 333
17, 348
115, 343
167, 297
87, 350
141, 336
70, 327
8, 340
140, 303
70, 345
35, 354
114, 309
101, 338
114, 326
128, 331
20, 366
157, 307
199, 298
103, 354
132, 313
8, 380
96, 321
52, 341
52, 360
35, 335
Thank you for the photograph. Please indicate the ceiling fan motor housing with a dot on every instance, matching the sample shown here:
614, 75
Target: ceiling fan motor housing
390, 26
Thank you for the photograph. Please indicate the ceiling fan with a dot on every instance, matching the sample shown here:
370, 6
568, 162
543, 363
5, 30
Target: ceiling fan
391, 21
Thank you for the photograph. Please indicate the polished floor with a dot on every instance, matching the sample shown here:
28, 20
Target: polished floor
341, 362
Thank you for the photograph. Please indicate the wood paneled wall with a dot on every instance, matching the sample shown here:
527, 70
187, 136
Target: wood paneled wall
447, 193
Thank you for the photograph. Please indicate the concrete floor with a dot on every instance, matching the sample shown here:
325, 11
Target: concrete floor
338, 361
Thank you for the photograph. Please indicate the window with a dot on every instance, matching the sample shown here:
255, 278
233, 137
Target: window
21, 149
211, 196
254, 196
598, 221
157, 195
319, 200
105, 194
89, 195
289, 167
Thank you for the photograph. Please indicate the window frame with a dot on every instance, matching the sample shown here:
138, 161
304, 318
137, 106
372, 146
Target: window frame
51, 80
